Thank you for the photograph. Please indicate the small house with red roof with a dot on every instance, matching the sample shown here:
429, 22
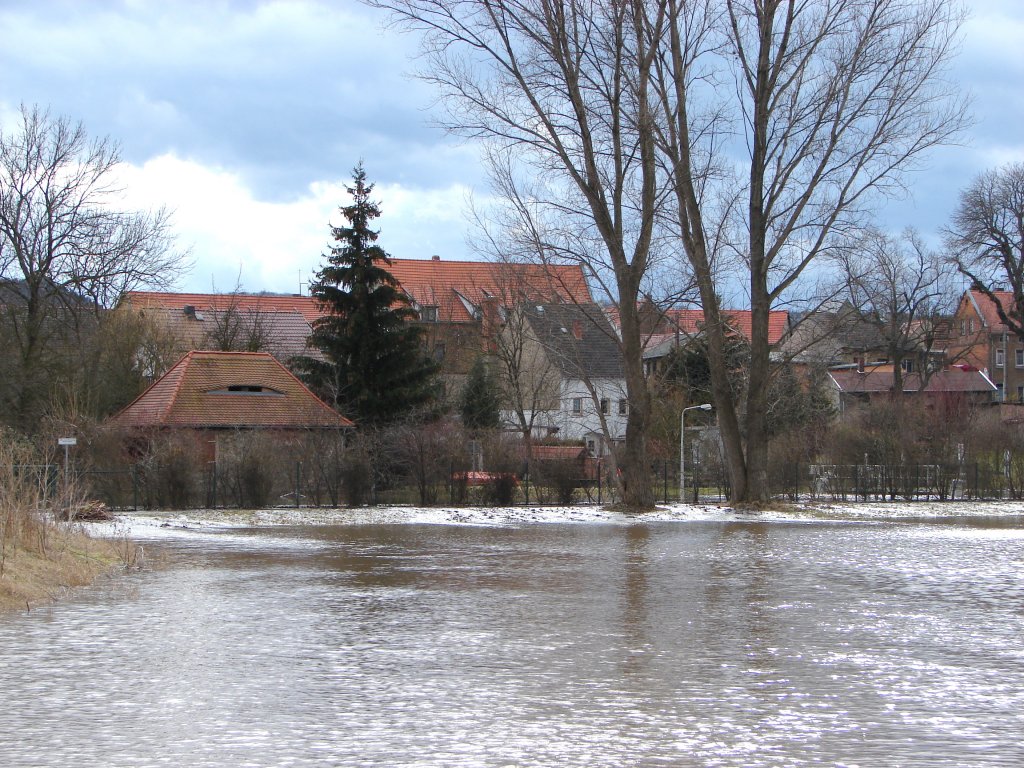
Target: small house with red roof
960, 385
207, 393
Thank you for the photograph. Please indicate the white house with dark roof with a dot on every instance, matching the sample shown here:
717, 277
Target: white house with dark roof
575, 357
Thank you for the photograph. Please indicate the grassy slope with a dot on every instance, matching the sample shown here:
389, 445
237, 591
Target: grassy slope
59, 559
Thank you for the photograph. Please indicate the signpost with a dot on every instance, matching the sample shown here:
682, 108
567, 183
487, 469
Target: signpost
67, 442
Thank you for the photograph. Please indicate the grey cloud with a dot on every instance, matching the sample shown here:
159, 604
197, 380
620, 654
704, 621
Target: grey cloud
282, 93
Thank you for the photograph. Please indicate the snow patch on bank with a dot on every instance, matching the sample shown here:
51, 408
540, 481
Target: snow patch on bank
157, 524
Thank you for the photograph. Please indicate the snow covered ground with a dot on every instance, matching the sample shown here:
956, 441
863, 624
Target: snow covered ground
151, 524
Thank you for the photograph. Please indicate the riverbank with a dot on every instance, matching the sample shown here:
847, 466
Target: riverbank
50, 562
54, 559
152, 524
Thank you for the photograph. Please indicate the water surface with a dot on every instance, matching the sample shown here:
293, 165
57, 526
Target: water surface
663, 644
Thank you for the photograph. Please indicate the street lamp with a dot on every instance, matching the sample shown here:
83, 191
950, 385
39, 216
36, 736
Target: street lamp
682, 446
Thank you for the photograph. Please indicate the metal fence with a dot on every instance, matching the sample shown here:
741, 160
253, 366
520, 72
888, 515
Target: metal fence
155, 487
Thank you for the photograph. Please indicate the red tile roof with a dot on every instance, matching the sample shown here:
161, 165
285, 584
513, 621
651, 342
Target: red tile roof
284, 334
691, 321
197, 392
451, 285
951, 380
448, 285
988, 311
210, 302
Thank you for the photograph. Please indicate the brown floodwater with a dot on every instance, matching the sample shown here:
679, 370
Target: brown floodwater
662, 644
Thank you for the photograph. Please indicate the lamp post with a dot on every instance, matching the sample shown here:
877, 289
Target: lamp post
682, 446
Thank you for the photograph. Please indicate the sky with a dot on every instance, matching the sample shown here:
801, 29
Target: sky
245, 118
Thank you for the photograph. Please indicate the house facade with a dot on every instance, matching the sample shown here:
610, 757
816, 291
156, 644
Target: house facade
981, 340
463, 305
571, 378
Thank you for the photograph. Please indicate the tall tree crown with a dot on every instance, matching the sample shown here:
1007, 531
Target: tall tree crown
373, 367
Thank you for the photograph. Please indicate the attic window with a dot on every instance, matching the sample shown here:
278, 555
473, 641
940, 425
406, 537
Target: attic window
247, 389
195, 314
428, 314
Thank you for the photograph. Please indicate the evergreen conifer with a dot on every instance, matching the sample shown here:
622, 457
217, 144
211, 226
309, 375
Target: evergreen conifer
481, 402
374, 369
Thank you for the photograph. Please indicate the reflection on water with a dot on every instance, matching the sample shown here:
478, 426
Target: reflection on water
699, 644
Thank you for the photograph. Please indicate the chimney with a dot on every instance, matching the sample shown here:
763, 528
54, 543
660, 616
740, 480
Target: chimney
577, 329
435, 257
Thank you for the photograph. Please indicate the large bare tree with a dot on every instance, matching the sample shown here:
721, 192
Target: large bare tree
561, 89
833, 101
66, 249
986, 239
753, 134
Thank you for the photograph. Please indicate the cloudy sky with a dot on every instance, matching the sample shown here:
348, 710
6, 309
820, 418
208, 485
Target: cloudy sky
246, 118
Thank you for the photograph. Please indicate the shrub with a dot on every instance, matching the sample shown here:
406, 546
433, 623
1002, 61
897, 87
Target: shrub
560, 475
500, 490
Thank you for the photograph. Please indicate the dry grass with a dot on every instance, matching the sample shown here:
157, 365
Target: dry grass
41, 558
72, 559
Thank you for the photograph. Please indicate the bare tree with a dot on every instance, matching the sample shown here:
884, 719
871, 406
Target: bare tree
234, 328
751, 135
562, 89
906, 293
833, 99
529, 381
66, 250
986, 239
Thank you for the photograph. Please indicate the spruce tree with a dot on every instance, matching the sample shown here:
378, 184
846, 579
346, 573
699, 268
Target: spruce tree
481, 401
374, 368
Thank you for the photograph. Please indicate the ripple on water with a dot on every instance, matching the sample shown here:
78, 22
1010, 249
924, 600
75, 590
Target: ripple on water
707, 644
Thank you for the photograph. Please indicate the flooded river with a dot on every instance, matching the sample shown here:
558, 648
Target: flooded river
661, 644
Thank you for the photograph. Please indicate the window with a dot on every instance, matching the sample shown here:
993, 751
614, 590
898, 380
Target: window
577, 405
604, 406
246, 389
428, 314
1019, 361
907, 365
1000, 357
623, 407
1020, 394
970, 325
439, 350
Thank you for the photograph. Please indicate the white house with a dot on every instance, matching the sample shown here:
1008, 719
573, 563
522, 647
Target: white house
569, 378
